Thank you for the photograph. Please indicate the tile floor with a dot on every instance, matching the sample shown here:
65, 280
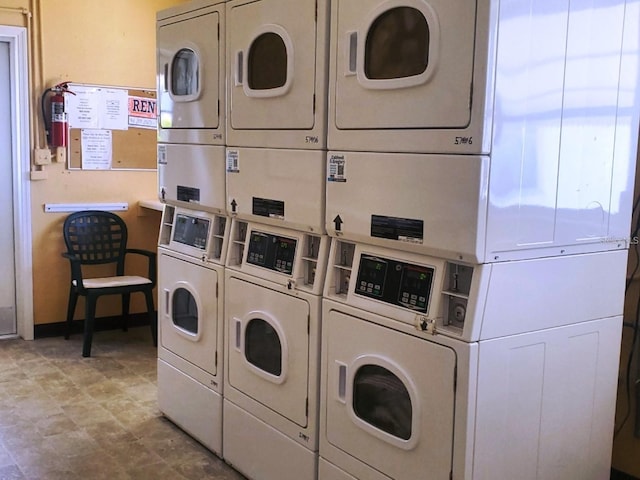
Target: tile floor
64, 417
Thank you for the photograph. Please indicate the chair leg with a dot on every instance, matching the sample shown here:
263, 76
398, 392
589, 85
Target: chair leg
153, 318
126, 301
90, 312
71, 308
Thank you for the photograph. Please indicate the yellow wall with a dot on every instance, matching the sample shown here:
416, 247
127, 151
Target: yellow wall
95, 42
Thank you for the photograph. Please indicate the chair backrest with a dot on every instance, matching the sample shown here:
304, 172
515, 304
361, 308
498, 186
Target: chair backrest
96, 237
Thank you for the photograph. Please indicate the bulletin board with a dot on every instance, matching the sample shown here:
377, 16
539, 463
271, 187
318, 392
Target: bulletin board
111, 128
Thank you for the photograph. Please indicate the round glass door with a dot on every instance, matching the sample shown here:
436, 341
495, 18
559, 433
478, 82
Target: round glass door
184, 311
262, 347
397, 45
381, 400
185, 73
267, 62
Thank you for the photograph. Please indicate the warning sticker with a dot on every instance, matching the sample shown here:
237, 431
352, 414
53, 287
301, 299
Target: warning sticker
233, 161
162, 154
336, 168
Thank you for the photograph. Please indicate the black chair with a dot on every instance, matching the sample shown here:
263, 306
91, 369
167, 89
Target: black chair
95, 237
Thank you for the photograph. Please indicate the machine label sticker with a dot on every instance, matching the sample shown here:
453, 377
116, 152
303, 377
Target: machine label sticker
336, 168
233, 161
264, 207
188, 194
162, 154
401, 229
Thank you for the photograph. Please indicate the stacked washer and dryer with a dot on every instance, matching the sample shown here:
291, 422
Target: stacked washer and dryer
480, 179
193, 238
399, 239
277, 60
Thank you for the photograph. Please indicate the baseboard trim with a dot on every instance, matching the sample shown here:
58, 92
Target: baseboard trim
58, 329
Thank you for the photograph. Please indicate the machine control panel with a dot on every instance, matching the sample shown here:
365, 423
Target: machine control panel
270, 251
192, 231
397, 283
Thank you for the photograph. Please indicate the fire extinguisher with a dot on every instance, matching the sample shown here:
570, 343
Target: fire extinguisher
56, 123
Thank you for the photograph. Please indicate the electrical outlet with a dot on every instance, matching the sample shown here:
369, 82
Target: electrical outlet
42, 156
61, 155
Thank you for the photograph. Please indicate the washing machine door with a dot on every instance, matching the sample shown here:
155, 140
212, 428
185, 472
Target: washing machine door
269, 347
188, 311
402, 63
272, 50
189, 62
389, 398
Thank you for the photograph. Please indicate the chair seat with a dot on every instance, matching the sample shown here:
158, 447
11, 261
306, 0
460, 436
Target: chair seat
107, 282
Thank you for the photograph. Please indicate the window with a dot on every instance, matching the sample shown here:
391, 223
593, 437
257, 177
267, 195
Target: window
397, 45
267, 62
262, 347
185, 311
185, 71
381, 400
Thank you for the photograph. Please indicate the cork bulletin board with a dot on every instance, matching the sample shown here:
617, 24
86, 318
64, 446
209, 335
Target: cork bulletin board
111, 128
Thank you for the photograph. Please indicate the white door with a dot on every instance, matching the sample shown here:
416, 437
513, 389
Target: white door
269, 347
191, 76
188, 311
272, 60
7, 266
389, 398
402, 63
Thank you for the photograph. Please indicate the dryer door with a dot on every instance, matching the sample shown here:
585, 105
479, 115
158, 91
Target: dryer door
188, 311
189, 61
269, 347
402, 63
271, 51
389, 398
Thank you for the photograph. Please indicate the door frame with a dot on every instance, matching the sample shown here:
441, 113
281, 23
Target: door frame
16, 37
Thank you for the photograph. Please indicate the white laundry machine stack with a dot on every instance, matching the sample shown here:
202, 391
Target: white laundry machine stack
191, 104
277, 63
480, 173
191, 255
195, 227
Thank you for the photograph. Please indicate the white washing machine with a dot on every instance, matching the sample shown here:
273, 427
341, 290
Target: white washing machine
273, 287
277, 60
548, 127
192, 176
191, 256
433, 369
191, 74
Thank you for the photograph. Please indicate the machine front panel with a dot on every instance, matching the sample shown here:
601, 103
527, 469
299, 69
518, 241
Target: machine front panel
274, 252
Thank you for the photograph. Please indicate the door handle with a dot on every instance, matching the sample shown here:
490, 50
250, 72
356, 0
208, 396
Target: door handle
239, 68
238, 333
166, 77
342, 382
353, 53
167, 295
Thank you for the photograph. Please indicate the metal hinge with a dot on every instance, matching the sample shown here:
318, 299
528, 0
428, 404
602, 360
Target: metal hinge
217, 286
306, 407
216, 360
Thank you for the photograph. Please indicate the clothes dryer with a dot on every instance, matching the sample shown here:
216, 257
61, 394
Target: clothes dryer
273, 286
191, 73
191, 255
277, 60
442, 76
192, 176
404, 396
549, 150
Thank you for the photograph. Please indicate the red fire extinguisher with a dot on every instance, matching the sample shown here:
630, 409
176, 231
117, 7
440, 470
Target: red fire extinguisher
56, 124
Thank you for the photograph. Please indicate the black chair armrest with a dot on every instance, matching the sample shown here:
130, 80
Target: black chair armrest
76, 269
151, 256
